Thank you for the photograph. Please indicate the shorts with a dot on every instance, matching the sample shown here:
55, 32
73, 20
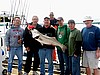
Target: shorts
90, 60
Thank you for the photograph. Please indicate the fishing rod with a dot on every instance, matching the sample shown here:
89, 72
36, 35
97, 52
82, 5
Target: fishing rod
27, 12
11, 3
17, 8
24, 11
14, 7
12, 10
23, 7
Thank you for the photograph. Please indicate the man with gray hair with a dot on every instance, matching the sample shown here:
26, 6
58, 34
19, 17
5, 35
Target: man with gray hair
91, 46
32, 47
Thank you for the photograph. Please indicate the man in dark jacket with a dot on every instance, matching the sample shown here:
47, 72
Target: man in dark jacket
53, 20
53, 23
32, 47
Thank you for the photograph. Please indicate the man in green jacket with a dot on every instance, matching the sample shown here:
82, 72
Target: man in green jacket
74, 49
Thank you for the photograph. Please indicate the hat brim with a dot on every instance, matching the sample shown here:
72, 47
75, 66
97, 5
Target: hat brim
87, 20
58, 20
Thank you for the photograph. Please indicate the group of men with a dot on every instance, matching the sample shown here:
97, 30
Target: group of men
71, 37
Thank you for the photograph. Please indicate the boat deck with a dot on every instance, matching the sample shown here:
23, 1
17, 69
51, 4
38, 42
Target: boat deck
56, 68
15, 72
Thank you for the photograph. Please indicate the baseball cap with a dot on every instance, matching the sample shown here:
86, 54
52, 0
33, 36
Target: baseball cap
51, 14
71, 21
59, 18
47, 18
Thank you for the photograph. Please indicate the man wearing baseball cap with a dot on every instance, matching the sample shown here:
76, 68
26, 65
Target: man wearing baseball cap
62, 36
74, 48
53, 20
46, 50
91, 46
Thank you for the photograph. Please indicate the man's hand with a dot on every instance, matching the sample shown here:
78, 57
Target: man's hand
27, 49
75, 55
53, 27
20, 41
8, 48
97, 53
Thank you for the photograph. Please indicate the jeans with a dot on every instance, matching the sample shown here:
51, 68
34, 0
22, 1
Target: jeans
74, 65
18, 51
63, 59
46, 53
36, 61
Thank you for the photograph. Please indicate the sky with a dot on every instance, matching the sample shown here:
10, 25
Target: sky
68, 9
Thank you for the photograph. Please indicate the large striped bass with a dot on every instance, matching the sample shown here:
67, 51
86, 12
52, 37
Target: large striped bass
43, 39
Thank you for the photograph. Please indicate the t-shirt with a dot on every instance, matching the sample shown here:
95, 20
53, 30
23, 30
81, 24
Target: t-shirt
48, 32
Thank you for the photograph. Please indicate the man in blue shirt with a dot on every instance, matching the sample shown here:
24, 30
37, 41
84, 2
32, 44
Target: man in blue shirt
91, 46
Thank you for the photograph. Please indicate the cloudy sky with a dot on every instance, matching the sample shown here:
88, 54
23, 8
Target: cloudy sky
68, 9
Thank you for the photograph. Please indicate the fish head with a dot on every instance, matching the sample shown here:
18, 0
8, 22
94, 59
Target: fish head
35, 33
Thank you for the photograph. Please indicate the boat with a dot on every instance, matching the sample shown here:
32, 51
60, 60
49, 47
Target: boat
5, 22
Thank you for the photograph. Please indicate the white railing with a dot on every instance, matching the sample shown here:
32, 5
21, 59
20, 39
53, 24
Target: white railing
3, 53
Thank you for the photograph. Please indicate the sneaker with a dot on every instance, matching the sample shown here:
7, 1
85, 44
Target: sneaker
25, 73
35, 73
20, 73
9, 73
